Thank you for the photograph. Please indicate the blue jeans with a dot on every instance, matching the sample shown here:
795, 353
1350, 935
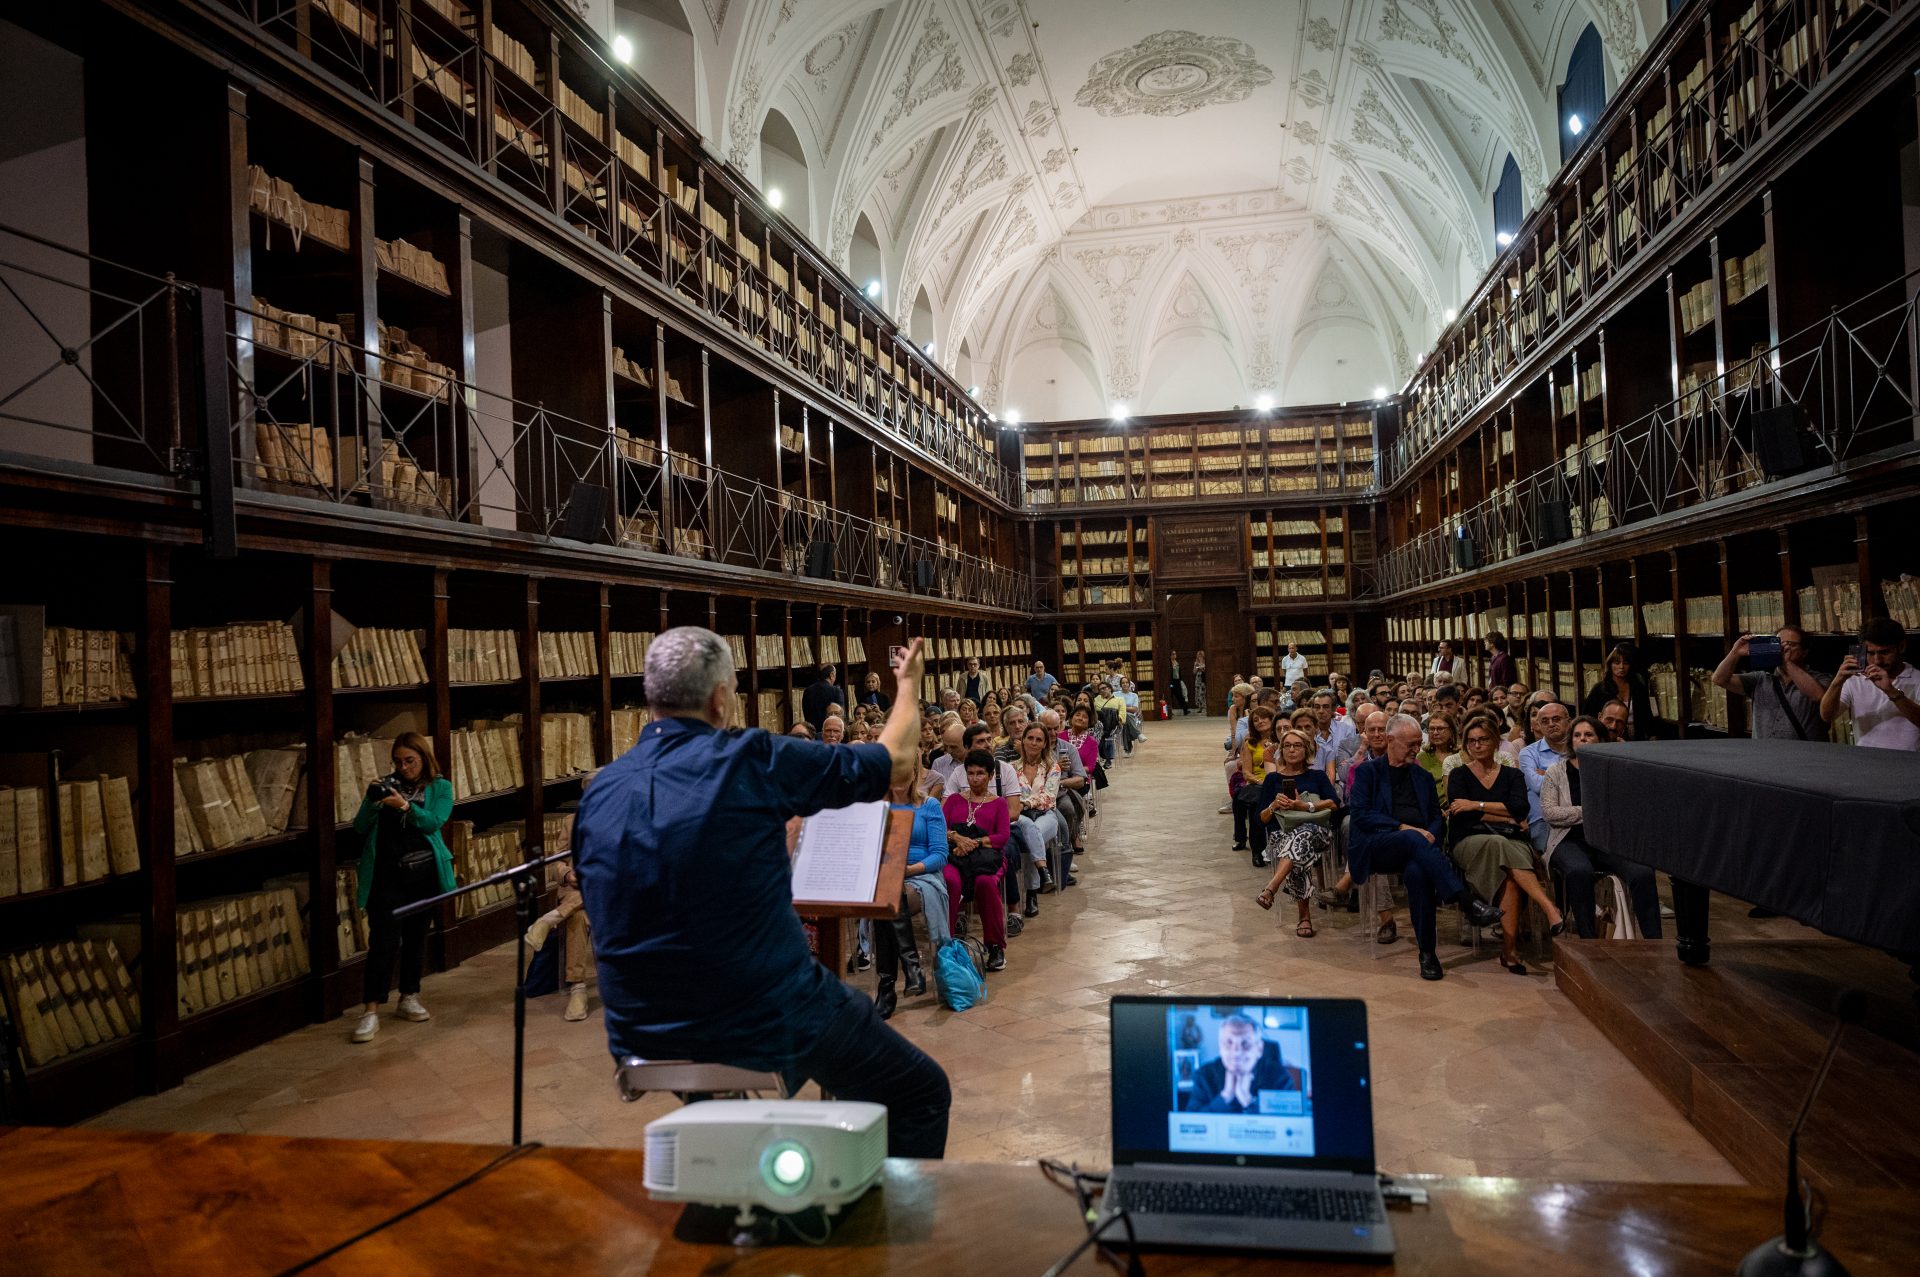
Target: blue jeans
858, 1057
933, 904
1429, 876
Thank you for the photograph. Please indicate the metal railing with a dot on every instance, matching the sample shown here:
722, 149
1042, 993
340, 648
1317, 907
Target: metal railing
1849, 386
108, 366
456, 92
1758, 67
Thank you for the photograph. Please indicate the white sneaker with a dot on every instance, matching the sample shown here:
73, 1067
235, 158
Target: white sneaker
577, 1003
1224, 811
410, 1009
368, 1026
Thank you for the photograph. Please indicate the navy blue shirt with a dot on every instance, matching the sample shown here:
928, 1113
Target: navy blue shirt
681, 847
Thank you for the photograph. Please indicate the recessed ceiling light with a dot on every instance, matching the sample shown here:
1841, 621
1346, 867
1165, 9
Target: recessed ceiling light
623, 50
774, 198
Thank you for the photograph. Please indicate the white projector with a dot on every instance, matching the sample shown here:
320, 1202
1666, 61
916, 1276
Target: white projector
783, 1155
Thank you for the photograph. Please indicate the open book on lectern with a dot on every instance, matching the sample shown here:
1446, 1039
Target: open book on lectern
837, 859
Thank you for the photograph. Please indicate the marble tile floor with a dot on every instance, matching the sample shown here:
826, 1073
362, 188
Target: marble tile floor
1485, 1073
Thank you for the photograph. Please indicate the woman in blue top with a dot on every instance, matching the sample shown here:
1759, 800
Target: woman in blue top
1299, 787
923, 893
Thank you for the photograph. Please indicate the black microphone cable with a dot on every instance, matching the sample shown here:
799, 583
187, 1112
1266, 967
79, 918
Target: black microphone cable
518, 1150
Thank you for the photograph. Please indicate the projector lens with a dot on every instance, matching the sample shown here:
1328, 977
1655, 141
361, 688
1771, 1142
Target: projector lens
786, 1167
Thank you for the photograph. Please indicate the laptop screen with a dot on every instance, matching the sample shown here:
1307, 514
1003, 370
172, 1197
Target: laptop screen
1242, 1082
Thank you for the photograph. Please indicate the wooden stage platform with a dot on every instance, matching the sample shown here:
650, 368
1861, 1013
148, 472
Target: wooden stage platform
1734, 1045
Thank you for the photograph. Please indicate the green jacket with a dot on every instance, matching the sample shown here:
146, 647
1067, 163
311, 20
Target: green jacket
431, 810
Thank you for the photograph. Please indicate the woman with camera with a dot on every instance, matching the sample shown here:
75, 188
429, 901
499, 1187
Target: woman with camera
402, 859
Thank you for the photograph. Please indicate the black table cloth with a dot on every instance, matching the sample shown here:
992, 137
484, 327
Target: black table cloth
1826, 834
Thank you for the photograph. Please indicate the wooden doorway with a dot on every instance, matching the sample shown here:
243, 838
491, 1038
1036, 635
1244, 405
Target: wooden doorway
1207, 621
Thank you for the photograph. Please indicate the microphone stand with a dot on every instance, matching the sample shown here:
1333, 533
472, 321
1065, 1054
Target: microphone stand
1794, 1253
529, 880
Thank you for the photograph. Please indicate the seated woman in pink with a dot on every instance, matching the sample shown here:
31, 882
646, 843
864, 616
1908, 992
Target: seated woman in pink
1081, 736
976, 853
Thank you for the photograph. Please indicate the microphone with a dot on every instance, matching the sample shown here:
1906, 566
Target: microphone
1794, 1253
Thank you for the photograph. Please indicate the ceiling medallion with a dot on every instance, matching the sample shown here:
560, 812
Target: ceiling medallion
1172, 73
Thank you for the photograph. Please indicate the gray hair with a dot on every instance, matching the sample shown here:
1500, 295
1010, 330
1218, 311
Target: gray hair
684, 665
1401, 723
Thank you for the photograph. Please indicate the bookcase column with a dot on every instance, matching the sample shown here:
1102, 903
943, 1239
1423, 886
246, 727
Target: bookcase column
159, 926
338, 989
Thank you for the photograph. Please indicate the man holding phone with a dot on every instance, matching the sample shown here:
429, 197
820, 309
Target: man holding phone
1784, 693
1878, 689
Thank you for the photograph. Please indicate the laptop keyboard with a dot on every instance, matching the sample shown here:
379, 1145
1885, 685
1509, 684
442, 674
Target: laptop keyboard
1249, 1201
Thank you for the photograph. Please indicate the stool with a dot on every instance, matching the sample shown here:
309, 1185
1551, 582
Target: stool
634, 1077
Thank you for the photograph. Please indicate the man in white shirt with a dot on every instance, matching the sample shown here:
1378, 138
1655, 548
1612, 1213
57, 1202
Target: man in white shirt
1293, 666
940, 779
1883, 696
1445, 662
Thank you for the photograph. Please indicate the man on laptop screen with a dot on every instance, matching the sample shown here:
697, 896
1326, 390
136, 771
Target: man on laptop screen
1245, 1092
1246, 1124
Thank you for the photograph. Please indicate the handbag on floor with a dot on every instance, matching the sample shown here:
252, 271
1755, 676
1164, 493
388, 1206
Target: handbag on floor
961, 983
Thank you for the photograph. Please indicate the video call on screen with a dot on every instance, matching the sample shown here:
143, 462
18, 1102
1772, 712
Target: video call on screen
1242, 1080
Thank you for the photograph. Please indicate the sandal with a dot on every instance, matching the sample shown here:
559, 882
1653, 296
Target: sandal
1265, 898
1304, 929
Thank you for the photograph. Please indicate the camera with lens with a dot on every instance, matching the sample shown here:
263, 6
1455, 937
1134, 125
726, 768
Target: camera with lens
378, 788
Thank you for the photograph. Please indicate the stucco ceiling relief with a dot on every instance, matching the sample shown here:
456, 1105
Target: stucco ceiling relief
1172, 73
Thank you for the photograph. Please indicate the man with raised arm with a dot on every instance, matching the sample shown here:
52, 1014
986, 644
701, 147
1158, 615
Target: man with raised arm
681, 850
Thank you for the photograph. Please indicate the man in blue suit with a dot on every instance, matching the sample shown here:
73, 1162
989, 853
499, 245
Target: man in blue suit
1397, 825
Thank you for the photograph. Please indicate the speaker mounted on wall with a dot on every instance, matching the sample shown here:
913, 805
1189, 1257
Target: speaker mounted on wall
820, 560
1465, 556
923, 575
1552, 522
1779, 441
586, 514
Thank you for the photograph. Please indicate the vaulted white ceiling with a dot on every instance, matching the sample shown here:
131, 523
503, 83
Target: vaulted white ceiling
1171, 205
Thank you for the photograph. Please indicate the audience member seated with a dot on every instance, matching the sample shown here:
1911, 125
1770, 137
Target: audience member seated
1571, 859
1549, 722
1037, 770
1396, 829
922, 893
1486, 808
943, 774
1442, 741
833, 729
801, 730
1295, 787
1613, 720
977, 835
1075, 795
1258, 755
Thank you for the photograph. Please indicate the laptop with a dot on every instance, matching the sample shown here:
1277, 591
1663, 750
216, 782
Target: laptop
1245, 1124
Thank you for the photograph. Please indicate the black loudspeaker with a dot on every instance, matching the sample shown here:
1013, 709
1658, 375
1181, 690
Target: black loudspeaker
1465, 556
1551, 522
923, 574
820, 560
586, 517
1779, 442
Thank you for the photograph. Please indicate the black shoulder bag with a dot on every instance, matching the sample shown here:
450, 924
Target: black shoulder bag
1799, 730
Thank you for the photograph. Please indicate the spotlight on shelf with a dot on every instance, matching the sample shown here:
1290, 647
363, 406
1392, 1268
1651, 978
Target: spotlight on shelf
929, 346
1263, 403
1379, 393
1574, 125
1504, 238
774, 198
1450, 316
872, 290
973, 392
1120, 412
1013, 417
623, 50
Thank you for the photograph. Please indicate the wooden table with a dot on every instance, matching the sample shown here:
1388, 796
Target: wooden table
88, 1201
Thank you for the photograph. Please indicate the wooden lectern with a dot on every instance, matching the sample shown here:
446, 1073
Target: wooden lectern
829, 918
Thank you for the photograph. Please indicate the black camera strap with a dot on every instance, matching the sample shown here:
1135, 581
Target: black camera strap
1786, 707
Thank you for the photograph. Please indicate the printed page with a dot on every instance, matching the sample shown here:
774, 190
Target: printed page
838, 859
